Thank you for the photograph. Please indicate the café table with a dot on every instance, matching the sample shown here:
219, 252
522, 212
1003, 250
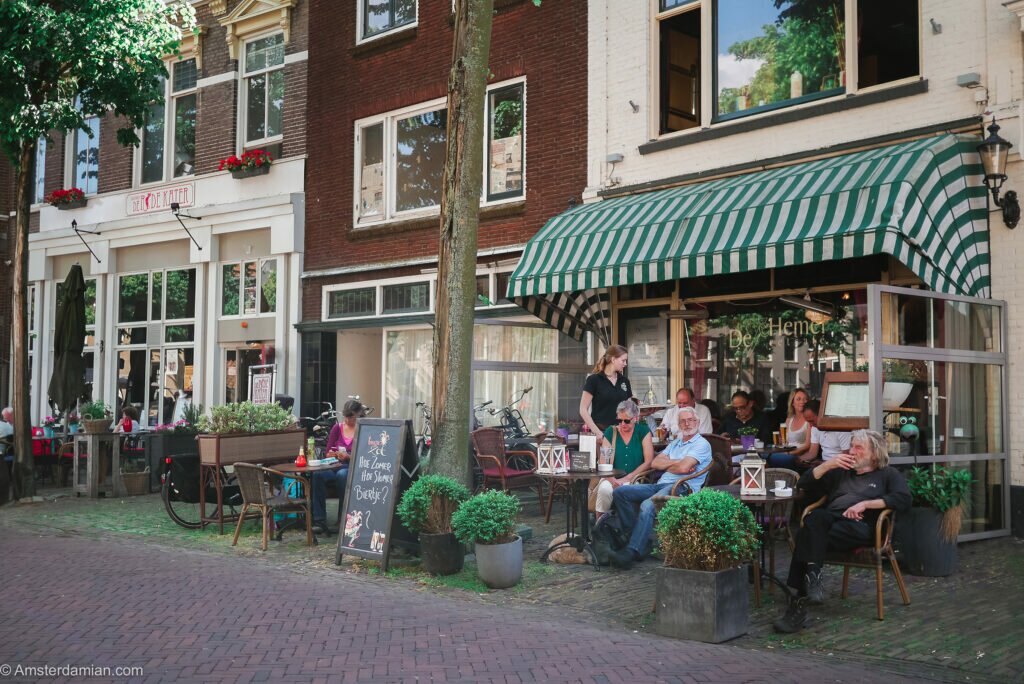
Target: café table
578, 482
765, 508
304, 476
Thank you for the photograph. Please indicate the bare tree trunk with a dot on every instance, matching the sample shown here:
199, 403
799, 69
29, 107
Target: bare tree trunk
23, 480
460, 218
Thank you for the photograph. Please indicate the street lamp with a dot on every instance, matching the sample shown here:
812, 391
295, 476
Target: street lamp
994, 152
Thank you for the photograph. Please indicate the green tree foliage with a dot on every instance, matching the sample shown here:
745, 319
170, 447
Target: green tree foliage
58, 59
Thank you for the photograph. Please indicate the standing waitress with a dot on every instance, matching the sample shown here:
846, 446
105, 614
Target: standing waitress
604, 390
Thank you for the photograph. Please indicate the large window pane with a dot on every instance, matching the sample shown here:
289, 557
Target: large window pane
256, 102
346, 303
184, 135
181, 294
406, 298
887, 41
268, 286
505, 157
679, 72
515, 343
264, 53
420, 160
769, 55
185, 75
249, 293
39, 187
275, 102
371, 187
381, 15
647, 344
408, 373
230, 287
87, 157
176, 381
153, 144
133, 298
917, 321
157, 298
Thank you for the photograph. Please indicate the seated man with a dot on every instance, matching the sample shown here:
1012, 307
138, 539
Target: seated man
744, 414
858, 485
687, 454
824, 444
7, 423
684, 398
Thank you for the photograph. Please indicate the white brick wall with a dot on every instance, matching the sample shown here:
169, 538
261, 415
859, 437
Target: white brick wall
979, 36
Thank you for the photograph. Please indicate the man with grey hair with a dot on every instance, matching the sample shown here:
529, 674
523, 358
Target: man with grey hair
7, 424
685, 398
858, 485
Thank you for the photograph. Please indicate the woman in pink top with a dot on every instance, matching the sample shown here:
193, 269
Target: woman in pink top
339, 445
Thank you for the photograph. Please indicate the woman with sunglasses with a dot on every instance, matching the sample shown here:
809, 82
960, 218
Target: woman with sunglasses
634, 450
339, 445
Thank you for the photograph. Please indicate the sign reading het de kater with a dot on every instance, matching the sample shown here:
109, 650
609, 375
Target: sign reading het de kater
382, 466
160, 199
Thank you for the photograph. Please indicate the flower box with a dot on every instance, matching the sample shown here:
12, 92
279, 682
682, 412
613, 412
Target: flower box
250, 447
72, 198
73, 204
251, 163
249, 171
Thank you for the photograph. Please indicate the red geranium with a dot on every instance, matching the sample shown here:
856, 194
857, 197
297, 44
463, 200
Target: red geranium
253, 159
64, 196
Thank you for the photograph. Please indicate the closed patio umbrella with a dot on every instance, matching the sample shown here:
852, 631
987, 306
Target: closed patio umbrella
68, 380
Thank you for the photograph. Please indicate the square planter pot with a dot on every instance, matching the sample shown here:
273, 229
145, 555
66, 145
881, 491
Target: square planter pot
77, 204
704, 606
250, 447
253, 171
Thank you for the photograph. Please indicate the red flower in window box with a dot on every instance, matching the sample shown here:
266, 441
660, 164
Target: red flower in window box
66, 199
250, 163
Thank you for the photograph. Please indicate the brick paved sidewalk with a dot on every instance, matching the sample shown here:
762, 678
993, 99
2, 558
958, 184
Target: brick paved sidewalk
197, 616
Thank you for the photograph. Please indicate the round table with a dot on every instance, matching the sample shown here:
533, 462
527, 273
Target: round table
304, 474
578, 482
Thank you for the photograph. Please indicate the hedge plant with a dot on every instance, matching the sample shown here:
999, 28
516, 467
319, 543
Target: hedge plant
487, 518
429, 503
246, 417
709, 530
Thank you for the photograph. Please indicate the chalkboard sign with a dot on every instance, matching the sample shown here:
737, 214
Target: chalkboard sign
383, 465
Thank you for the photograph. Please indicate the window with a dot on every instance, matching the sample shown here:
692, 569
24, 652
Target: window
249, 287
350, 303
143, 297
264, 90
379, 16
85, 165
180, 137
406, 298
401, 156
768, 54
39, 187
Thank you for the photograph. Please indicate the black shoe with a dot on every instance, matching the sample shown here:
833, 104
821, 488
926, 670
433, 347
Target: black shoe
621, 558
815, 590
795, 618
321, 528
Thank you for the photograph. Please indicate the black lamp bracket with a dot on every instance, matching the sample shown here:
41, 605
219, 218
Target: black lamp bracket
79, 231
176, 210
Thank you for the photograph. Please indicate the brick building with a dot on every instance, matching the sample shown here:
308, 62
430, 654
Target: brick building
169, 316
377, 88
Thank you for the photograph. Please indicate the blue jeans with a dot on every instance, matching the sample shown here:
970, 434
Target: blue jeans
781, 460
320, 481
625, 499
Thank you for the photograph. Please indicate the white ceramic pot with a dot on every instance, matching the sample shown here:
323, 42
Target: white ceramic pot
500, 566
895, 393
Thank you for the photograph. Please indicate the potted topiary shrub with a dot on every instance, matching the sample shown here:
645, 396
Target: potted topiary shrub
488, 521
96, 417
701, 591
426, 508
926, 534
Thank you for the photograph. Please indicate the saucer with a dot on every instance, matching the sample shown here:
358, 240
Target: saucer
782, 492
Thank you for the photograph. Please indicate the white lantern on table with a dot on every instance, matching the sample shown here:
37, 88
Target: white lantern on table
752, 476
552, 457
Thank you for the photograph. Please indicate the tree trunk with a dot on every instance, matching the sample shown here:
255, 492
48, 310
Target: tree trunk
460, 217
23, 480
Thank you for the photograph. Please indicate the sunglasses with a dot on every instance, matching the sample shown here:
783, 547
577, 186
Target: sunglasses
625, 421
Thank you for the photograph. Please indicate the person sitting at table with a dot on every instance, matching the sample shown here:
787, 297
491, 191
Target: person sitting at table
7, 423
339, 446
634, 451
858, 485
689, 453
823, 445
798, 432
684, 398
745, 415
129, 423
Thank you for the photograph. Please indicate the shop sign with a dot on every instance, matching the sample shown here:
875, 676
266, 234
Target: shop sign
774, 327
161, 199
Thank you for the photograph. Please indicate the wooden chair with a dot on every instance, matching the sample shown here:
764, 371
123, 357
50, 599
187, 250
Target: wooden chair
494, 462
66, 462
868, 556
255, 484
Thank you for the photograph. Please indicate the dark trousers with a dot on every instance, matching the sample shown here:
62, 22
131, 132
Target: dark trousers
822, 531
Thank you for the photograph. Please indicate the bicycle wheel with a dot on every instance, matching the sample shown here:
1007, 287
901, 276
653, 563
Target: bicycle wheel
187, 514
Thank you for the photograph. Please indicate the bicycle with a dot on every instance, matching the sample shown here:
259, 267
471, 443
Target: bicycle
423, 439
180, 492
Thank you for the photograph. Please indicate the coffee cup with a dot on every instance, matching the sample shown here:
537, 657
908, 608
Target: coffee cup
780, 484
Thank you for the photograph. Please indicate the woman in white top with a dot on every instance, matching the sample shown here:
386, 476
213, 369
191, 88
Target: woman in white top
798, 432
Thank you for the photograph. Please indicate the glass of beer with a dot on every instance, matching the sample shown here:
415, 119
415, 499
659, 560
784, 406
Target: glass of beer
782, 433
776, 439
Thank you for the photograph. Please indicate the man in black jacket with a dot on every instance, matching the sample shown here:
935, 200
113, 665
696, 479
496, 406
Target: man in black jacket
858, 484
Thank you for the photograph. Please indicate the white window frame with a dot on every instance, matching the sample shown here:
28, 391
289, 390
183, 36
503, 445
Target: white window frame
708, 64
361, 22
70, 152
39, 182
389, 122
170, 100
243, 92
379, 285
259, 261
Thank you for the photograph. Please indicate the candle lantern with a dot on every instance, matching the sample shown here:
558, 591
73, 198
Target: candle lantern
552, 457
752, 476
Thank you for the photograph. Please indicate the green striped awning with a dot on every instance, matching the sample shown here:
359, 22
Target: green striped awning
923, 202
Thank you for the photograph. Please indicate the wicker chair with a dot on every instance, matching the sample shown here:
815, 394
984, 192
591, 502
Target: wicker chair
255, 484
494, 462
868, 556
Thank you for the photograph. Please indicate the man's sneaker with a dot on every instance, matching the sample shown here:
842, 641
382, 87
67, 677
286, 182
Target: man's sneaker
621, 558
815, 590
321, 528
795, 618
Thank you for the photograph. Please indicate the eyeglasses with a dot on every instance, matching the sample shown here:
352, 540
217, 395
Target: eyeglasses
690, 421
625, 421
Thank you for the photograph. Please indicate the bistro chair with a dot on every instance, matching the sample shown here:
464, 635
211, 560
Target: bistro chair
66, 462
255, 483
869, 556
496, 466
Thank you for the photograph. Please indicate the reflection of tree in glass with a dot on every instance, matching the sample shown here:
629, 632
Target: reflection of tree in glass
275, 102
808, 38
133, 297
508, 116
268, 303
229, 290
181, 294
184, 132
420, 160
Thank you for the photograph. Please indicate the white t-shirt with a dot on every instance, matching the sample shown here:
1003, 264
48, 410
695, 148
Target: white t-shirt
671, 420
831, 443
6, 429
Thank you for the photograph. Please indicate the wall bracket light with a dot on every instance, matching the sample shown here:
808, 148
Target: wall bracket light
176, 210
995, 151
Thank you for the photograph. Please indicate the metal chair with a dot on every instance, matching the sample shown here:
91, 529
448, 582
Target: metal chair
257, 492
868, 556
495, 466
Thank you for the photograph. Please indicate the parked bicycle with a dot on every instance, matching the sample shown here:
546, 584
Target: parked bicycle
423, 439
319, 428
180, 492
